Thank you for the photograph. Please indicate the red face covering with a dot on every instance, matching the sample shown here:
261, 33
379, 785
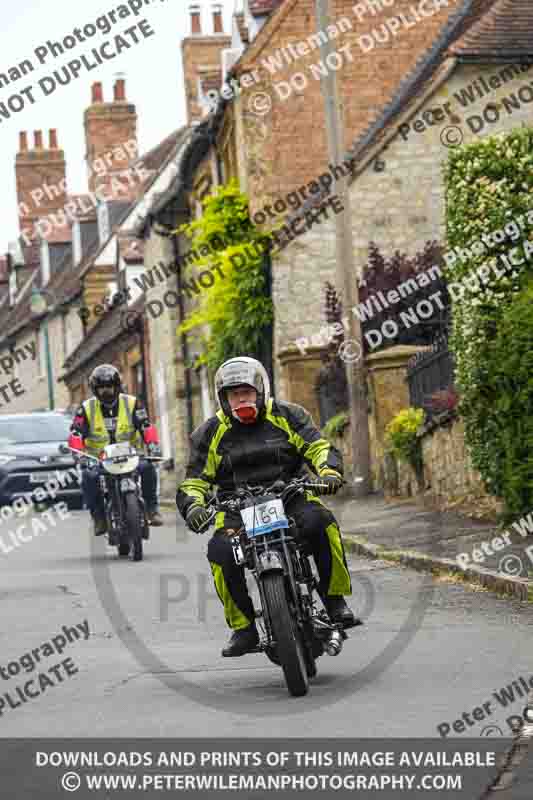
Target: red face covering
246, 413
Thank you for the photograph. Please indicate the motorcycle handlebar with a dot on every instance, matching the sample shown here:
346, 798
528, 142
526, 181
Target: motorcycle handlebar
215, 506
84, 454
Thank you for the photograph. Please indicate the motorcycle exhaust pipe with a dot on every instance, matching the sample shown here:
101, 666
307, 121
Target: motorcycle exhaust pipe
334, 644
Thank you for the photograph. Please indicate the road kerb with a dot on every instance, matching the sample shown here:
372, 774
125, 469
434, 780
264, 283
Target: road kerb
519, 588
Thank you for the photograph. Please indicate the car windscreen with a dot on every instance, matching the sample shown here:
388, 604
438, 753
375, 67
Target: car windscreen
25, 430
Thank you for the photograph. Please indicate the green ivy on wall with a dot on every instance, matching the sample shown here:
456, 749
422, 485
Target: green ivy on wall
236, 311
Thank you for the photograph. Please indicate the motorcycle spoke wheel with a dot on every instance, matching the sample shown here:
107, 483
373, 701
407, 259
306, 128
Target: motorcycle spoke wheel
289, 646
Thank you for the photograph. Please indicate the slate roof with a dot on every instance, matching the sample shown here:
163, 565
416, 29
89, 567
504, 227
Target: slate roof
108, 328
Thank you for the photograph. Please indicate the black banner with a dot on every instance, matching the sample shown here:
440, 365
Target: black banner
250, 768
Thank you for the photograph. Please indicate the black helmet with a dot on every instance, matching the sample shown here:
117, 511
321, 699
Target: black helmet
105, 383
239, 371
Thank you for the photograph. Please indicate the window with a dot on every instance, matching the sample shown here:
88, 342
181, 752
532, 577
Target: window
104, 229
207, 408
50, 428
45, 262
12, 287
66, 335
76, 243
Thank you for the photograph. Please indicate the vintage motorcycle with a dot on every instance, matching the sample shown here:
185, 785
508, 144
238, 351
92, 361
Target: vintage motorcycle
124, 506
293, 632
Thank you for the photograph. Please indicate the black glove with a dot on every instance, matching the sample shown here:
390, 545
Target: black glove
196, 517
332, 483
154, 450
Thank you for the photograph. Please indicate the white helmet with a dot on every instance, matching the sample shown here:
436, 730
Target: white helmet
239, 371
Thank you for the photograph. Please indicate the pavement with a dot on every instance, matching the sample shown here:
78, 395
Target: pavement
431, 651
410, 534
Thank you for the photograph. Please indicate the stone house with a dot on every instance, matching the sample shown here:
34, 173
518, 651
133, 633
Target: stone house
474, 82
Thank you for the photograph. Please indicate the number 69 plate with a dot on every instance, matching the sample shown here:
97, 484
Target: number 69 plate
264, 517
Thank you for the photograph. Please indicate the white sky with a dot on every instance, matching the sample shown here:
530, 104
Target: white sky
152, 68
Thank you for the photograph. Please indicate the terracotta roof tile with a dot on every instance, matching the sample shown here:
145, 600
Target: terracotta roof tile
258, 8
504, 33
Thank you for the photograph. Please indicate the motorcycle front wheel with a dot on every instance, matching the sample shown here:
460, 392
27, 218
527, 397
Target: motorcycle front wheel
289, 646
133, 525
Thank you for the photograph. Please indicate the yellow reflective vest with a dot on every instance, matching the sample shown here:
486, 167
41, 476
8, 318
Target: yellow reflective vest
98, 436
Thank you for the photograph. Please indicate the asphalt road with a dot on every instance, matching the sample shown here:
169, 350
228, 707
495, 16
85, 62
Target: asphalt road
430, 650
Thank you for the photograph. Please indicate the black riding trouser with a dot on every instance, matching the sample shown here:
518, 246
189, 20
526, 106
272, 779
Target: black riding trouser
319, 530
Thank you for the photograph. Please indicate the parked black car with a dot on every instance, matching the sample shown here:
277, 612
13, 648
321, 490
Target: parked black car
29, 457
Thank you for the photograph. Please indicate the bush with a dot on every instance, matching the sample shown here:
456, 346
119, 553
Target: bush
505, 399
401, 436
488, 188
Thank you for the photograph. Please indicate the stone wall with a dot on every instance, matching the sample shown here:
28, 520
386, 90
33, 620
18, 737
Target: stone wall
448, 474
297, 376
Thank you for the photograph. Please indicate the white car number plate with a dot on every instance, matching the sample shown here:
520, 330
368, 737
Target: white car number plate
264, 517
42, 477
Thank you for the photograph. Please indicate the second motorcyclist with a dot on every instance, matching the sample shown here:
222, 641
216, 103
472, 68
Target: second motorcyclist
107, 417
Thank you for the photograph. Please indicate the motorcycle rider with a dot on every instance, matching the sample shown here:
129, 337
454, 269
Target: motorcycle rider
110, 416
255, 439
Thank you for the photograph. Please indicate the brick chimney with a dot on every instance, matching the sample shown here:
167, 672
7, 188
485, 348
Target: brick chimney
41, 180
201, 55
110, 140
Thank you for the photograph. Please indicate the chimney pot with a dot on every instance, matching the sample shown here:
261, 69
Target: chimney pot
23, 141
97, 93
53, 139
38, 140
196, 22
218, 25
120, 90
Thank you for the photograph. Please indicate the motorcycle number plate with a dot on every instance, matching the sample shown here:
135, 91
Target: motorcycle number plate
118, 450
264, 517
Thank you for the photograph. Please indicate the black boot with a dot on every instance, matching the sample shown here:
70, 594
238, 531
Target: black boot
241, 642
100, 524
340, 612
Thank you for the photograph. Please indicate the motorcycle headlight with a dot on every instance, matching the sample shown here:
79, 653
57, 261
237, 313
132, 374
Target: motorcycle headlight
6, 459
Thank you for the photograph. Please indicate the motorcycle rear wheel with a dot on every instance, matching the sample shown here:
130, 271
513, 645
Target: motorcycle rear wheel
289, 646
133, 524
